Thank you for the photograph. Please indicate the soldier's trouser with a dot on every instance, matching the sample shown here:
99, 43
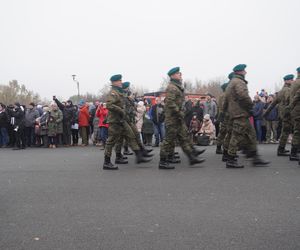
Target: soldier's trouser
228, 134
115, 132
243, 133
296, 134
67, 133
176, 130
121, 142
271, 128
222, 133
285, 132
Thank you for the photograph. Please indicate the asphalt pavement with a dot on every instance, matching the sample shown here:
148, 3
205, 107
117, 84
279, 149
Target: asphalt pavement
62, 199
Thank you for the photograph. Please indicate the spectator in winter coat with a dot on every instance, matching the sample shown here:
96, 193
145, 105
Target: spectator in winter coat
271, 121
157, 115
68, 111
210, 107
208, 128
75, 127
258, 117
139, 116
58, 117
52, 129
188, 112
31, 114
198, 110
102, 113
3, 126
84, 122
18, 115
148, 128
195, 126
43, 124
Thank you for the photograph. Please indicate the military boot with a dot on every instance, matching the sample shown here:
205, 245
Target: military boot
140, 158
172, 159
193, 159
164, 164
127, 151
145, 153
294, 156
124, 157
107, 165
225, 156
257, 161
232, 162
219, 150
120, 159
197, 151
281, 151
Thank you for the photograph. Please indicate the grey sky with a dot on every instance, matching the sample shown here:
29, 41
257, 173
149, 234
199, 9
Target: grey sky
44, 42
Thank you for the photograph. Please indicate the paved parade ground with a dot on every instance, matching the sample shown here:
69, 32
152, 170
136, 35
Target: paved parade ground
62, 199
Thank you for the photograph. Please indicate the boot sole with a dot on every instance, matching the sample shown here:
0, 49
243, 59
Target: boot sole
104, 168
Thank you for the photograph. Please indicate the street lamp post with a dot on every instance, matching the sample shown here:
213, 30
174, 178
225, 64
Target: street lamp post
77, 82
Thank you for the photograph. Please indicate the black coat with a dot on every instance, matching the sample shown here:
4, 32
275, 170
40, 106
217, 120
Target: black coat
19, 116
3, 120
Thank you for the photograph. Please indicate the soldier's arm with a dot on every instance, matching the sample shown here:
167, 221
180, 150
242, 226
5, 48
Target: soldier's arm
111, 104
242, 96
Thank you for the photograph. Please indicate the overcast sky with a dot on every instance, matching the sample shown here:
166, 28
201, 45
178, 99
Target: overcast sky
44, 42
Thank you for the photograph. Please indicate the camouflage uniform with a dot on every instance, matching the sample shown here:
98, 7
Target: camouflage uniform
239, 105
118, 126
223, 122
295, 111
174, 121
283, 100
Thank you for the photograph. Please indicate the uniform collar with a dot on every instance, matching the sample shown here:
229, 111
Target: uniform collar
177, 84
119, 89
240, 77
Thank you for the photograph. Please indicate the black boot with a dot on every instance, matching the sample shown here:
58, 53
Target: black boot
219, 150
195, 160
225, 156
197, 151
120, 160
172, 159
176, 156
232, 162
126, 151
282, 152
124, 157
145, 153
294, 155
257, 161
164, 164
140, 158
107, 165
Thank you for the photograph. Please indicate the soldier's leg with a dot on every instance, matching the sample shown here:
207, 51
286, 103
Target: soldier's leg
114, 134
295, 140
186, 144
137, 135
274, 129
269, 130
168, 145
119, 145
285, 132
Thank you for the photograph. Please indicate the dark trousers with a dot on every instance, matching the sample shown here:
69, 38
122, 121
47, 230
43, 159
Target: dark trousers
59, 139
30, 136
75, 136
11, 136
20, 137
52, 140
67, 133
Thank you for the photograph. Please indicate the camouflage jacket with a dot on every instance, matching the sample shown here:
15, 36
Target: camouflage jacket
283, 101
174, 102
295, 98
130, 109
115, 105
237, 102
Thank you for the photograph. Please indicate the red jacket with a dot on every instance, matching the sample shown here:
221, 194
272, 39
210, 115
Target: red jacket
101, 113
84, 116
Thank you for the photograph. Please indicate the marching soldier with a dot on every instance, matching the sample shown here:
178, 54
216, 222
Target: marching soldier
175, 125
118, 126
283, 101
222, 117
295, 114
239, 106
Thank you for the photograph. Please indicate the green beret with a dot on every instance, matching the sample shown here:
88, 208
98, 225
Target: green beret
224, 86
173, 71
239, 67
288, 77
115, 78
298, 70
125, 85
231, 75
